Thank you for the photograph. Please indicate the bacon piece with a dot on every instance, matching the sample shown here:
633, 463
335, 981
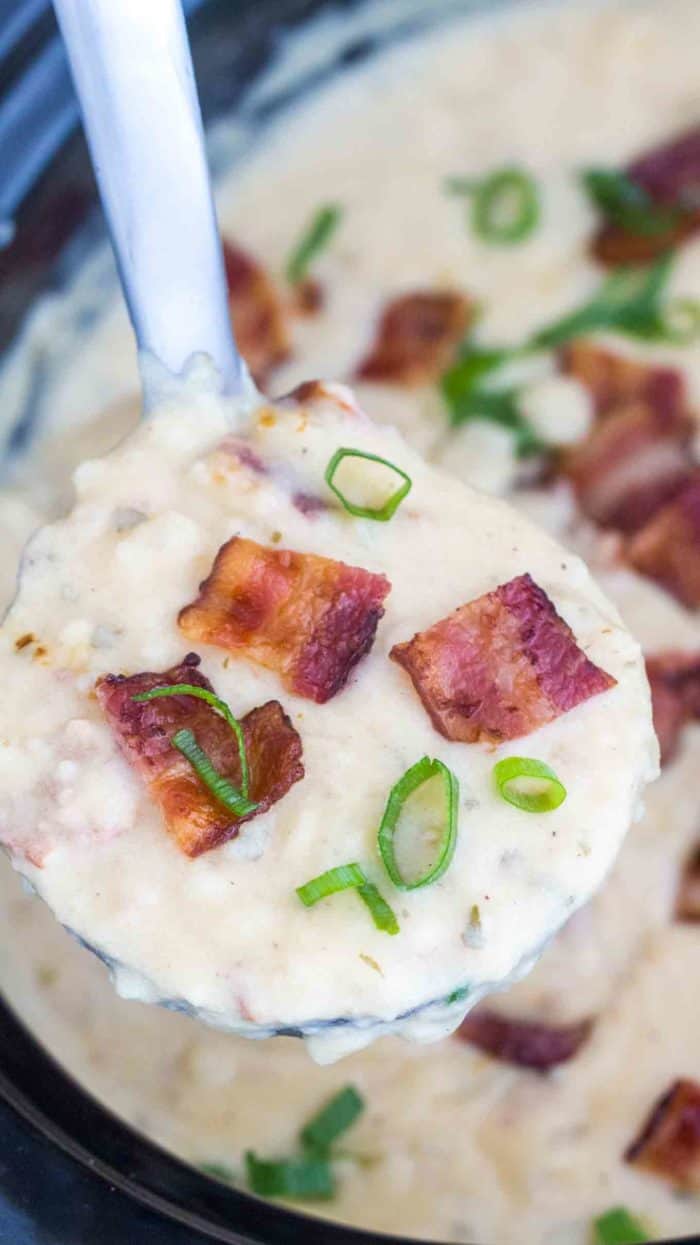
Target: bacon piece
239, 449
526, 1043
669, 1143
416, 337
320, 393
614, 381
688, 897
309, 505
670, 174
667, 548
637, 458
309, 618
674, 679
628, 468
500, 667
257, 313
193, 817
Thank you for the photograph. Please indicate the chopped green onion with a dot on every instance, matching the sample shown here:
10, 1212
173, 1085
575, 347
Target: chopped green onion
313, 240
618, 1227
309, 1178
216, 784
415, 777
392, 503
342, 878
468, 399
191, 689
628, 301
529, 784
626, 204
332, 1120
681, 319
457, 996
382, 915
350, 877
505, 205
217, 1171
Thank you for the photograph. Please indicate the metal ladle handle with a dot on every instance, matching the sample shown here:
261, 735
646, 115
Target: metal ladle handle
132, 70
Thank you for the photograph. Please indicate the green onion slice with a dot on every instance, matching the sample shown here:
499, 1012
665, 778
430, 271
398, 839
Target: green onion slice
350, 877
220, 787
470, 390
625, 204
309, 1178
529, 784
628, 301
332, 1120
342, 878
618, 1227
381, 513
457, 996
191, 689
317, 236
390, 827
505, 205
383, 916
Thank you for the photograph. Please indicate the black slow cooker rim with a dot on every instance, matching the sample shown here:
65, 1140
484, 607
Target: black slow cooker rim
52, 1102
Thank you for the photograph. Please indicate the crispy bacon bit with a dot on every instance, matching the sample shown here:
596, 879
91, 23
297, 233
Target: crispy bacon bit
670, 174
525, 1043
320, 392
244, 454
500, 666
615, 381
637, 458
256, 311
309, 618
195, 819
667, 548
688, 897
628, 467
309, 505
416, 338
674, 679
669, 1143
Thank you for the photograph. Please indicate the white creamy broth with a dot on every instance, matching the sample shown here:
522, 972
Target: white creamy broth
226, 933
535, 1158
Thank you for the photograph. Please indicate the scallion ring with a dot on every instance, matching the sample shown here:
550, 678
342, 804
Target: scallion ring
218, 786
415, 777
350, 877
529, 784
342, 878
201, 693
380, 513
505, 207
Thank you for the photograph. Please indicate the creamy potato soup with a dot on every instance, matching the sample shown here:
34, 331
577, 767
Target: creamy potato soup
459, 252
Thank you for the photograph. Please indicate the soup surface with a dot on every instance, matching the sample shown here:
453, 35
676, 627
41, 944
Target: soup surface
454, 1143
